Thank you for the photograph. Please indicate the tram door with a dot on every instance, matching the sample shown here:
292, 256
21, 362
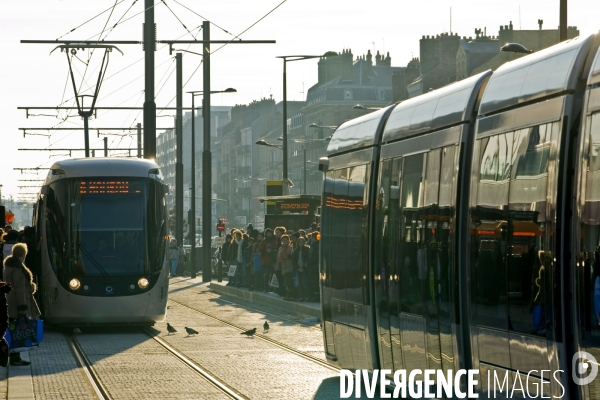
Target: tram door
419, 260
386, 271
511, 254
588, 267
414, 270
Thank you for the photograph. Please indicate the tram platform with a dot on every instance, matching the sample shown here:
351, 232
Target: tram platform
308, 309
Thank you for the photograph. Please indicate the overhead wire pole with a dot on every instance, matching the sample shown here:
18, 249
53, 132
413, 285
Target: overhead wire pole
179, 154
105, 147
149, 104
206, 161
139, 139
563, 20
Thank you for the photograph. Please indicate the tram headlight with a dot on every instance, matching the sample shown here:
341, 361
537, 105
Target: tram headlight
143, 283
74, 284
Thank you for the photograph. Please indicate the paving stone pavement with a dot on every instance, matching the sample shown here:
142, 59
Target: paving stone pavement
288, 330
133, 366
256, 368
56, 372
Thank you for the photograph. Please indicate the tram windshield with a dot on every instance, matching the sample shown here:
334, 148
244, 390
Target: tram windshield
109, 226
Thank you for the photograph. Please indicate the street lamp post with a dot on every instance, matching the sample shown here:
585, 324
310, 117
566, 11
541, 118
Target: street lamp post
285, 149
205, 183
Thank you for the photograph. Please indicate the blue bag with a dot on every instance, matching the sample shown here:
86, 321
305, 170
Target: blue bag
23, 334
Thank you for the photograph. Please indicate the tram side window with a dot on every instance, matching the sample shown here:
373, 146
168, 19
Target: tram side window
589, 275
354, 230
488, 239
508, 236
327, 216
384, 227
338, 233
56, 226
156, 225
413, 265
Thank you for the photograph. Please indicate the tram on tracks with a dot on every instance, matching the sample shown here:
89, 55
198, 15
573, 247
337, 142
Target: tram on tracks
461, 228
102, 225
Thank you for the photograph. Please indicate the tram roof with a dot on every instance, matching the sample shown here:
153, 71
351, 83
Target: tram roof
595, 72
444, 107
360, 132
111, 166
542, 74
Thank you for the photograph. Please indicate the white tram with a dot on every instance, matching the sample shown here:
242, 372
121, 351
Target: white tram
101, 224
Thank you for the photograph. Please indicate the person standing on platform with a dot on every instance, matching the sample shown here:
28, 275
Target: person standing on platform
20, 300
266, 249
174, 257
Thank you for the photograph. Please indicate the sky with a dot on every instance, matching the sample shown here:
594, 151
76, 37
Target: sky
31, 76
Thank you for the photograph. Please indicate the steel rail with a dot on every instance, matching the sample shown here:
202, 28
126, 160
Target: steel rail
87, 368
267, 339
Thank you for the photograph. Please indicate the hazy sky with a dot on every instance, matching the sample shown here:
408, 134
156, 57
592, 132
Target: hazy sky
30, 76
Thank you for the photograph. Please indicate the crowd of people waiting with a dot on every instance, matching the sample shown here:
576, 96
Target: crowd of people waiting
17, 283
283, 260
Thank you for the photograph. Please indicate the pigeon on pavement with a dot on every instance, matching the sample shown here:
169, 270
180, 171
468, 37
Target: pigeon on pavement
191, 331
249, 333
266, 326
171, 329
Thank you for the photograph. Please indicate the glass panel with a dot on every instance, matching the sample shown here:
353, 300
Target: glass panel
327, 213
589, 272
382, 265
354, 210
432, 290
365, 237
108, 225
392, 251
156, 222
527, 214
325, 260
57, 225
448, 282
488, 237
338, 234
413, 273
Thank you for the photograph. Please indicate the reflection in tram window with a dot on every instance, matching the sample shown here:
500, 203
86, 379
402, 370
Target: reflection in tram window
413, 277
109, 239
56, 221
589, 275
508, 235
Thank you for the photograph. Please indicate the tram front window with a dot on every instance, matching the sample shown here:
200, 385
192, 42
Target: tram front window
107, 225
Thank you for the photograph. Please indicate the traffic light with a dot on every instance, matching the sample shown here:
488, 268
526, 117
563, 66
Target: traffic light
221, 226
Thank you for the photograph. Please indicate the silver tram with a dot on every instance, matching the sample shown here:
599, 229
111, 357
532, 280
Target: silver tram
101, 225
472, 214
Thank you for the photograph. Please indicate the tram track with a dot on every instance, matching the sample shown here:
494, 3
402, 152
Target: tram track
216, 382
265, 338
103, 394
253, 308
87, 368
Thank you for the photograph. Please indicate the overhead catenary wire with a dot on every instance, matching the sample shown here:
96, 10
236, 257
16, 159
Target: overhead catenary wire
89, 20
219, 48
204, 18
178, 19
